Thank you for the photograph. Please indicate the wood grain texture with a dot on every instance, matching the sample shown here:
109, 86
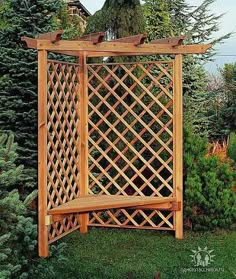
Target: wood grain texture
83, 89
178, 144
42, 153
100, 202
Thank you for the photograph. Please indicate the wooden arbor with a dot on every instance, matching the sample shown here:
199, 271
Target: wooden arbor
110, 136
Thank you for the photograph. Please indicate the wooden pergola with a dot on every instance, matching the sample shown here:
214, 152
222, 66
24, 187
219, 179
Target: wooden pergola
109, 135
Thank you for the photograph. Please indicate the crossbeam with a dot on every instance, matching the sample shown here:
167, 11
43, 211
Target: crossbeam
53, 37
173, 41
136, 39
95, 38
118, 48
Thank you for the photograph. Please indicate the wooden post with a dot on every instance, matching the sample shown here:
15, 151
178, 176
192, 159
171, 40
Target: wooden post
42, 153
178, 144
83, 103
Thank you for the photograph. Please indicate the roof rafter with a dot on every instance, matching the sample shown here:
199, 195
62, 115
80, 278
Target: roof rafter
53, 37
172, 41
94, 46
96, 38
136, 39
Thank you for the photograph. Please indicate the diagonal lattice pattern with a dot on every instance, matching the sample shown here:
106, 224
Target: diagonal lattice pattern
63, 141
131, 137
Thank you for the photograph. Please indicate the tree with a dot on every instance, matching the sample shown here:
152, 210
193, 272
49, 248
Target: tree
118, 18
210, 202
221, 107
18, 233
199, 25
157, 16
18, 81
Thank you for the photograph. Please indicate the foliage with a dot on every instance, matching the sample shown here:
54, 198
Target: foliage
70, 24
229, 108
210, 202
198, 24
231, 151
221, 108
157, 17
18, 81
18, 233
118, 18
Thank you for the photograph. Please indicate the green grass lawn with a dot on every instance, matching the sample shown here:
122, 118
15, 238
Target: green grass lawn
115, 253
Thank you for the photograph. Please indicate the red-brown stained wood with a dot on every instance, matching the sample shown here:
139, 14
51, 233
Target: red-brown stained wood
42, 153
178, 144
173, 41
100, 202
95, 38
53, 37
136, 39
29, 42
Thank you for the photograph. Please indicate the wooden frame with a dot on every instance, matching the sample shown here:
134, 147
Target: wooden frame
92, 173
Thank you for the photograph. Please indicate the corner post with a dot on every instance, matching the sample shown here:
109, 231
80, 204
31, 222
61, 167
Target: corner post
178, 143
83, 145
42, 154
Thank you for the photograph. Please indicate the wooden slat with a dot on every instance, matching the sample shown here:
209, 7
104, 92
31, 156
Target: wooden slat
136, 39
178, 144
117, 47
42, 153
101, 202
95, 38
53, 37
172, 206
173, 41
83, 145
29, 42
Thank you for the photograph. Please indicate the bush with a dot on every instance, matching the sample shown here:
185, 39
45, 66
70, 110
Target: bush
18, 232
231, 152
210, 202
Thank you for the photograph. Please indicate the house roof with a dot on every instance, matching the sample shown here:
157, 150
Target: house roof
79, 5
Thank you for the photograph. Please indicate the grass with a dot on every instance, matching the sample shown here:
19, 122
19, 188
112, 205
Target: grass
114, 254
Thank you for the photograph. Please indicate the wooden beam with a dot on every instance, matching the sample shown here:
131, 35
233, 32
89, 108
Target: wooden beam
42, 154
95, 38
53, 37
173, 41
136, 39
87, 203
29, 42
169, 206
117, 47
178, 144
83, 134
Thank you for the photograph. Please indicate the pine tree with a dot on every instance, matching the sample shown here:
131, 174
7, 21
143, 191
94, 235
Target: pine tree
210, 202
18, 233
157, 16
18, 81
118, 18
199, 25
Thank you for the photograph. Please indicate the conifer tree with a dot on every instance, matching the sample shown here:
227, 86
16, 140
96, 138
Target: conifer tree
118, 18
210, 202
18, 81
157, 17
18, 233
199, 25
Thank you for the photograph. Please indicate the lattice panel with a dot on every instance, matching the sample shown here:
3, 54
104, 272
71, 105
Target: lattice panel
131, 138
63, 142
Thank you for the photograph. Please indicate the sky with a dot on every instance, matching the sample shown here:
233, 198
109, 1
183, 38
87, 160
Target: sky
227, 24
